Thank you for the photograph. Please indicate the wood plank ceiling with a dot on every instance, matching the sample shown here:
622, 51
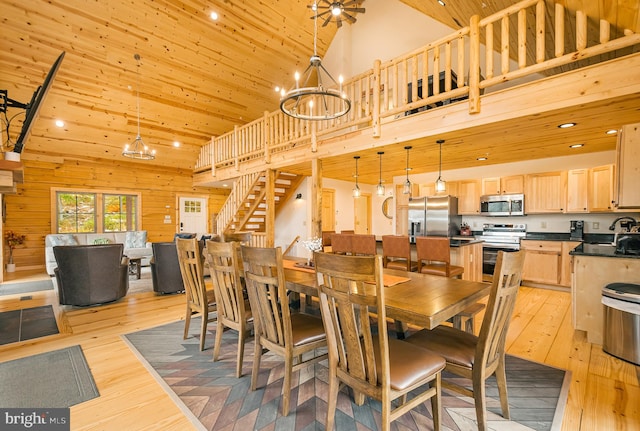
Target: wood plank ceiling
200, 78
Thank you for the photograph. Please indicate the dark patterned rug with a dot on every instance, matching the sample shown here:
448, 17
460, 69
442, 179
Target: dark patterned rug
219, 401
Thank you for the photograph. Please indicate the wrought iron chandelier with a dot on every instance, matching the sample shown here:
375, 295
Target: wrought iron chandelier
319, 97
138, 149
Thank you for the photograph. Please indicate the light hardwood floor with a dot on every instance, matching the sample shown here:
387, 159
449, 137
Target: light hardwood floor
604, 392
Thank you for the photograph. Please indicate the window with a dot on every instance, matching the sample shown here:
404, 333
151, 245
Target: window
87, 212
76, 212
119, 213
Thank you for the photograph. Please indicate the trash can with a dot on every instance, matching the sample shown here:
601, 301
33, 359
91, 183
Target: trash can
622, 321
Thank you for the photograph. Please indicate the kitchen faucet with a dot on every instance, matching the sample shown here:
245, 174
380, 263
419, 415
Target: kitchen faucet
632, 222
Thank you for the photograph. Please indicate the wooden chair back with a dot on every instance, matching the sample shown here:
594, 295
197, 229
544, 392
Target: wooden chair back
396, 252
341, 243
363, 245
191, 269
223, 259
507, 277
326, 237
434, 256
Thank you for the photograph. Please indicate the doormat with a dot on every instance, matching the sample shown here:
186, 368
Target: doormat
25, 287
57, 379
26, 324
209, 391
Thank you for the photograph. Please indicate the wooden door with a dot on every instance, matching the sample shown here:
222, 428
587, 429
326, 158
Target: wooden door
362, 214
193, 214
328, 213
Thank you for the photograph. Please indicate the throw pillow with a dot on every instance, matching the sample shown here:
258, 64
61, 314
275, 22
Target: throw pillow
184, 235
101, 241
63, 239
136, 239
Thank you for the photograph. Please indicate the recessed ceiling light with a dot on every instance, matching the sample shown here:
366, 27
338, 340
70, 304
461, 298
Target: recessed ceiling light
176, 144
59, 123
566, 125
225, 185
576, 145
213, 16
441, 3
481, 159
611, 132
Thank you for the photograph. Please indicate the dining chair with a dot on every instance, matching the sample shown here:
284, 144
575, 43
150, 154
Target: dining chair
396, 253
363, 245
276, 328
371, 364
434, 257
479, 357
200, 300
326, 240
341, 243
233, 311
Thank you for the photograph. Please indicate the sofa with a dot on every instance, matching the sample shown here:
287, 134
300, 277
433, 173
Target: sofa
91, 274
134, 242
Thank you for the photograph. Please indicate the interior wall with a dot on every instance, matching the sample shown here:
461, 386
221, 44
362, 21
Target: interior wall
29, 210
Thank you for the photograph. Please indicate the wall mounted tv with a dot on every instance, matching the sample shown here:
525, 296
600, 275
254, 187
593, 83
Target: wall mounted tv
32, 108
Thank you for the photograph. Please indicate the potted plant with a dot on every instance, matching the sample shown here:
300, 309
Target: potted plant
13, 240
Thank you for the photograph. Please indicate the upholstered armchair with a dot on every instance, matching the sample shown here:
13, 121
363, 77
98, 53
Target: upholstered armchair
91, 274
165, 268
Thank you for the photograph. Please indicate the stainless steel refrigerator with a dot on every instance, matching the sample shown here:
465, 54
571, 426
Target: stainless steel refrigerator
433, 216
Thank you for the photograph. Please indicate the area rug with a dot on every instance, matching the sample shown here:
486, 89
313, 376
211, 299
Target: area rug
210, 391
26, 324
57, 379
25, 287
144, 284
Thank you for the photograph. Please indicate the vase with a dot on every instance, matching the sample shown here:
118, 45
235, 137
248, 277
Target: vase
11, 267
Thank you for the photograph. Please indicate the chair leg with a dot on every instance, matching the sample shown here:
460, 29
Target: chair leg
187, 322
480, 402
242, 334
386, 412
203, 329
216, 347
469, 325
286, 385
501, 379
332, 398
457, 321
257, 355
436, 403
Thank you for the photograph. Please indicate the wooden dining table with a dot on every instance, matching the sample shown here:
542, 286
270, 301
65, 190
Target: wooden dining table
422, 300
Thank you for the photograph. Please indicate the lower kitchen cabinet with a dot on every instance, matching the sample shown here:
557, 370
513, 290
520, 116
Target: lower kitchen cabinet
469, 257
547, 262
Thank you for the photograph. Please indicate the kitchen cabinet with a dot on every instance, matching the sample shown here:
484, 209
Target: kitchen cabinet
402, 208
469, 197
470, 258
427, 189
627, 192
503, 185
601, 188
567, 262
542, 261
546, 192
577, 193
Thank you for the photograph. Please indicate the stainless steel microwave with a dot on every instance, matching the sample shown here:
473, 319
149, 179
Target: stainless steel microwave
502, 205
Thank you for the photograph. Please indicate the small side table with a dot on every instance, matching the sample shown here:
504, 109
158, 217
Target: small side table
135, 263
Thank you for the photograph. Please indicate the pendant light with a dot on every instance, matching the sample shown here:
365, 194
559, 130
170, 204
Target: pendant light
356, 190
441, 185
138, 149
407, 185
380, 188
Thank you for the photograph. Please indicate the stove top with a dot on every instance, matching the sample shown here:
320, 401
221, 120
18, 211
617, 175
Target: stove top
502, 235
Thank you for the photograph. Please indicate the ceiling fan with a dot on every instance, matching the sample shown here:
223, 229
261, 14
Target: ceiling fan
339, 10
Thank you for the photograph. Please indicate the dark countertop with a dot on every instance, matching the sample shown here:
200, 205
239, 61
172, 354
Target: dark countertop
592, 238
602, 250
458, 241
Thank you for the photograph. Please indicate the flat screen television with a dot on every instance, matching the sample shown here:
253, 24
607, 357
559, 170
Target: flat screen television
33, 107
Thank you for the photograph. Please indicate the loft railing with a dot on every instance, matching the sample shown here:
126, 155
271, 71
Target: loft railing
457, 67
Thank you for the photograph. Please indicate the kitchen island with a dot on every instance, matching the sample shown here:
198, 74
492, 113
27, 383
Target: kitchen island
595, 266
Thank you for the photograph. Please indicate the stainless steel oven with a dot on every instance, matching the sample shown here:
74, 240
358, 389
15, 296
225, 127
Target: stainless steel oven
502, 205
499, 237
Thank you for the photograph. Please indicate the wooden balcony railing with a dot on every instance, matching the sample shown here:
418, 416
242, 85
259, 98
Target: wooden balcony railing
458, 67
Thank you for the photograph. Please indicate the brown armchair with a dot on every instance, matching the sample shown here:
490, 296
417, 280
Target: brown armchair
165, 269
91, 274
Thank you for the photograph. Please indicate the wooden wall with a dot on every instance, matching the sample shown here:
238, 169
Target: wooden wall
29, 211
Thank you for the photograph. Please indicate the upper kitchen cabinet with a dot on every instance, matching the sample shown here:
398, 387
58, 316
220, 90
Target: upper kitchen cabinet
402, 208
468, 196
546, 192
601, 188
427, 189
577, 193
627, 192
503, 185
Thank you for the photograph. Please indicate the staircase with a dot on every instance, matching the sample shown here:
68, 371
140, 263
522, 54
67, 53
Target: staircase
245, 208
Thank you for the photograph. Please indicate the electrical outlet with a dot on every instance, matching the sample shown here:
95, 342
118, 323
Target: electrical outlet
543, 224
596, 225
